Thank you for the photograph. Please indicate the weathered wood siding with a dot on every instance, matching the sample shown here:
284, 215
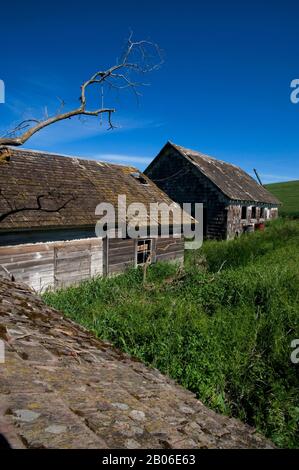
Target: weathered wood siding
168, 249
122, 252
55, 264
121, 255
32, 264
184, 183
235, 223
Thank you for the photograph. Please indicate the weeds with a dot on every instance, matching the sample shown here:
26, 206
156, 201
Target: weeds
222, 329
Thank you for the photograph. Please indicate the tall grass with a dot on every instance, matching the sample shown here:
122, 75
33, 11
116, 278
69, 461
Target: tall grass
223, 328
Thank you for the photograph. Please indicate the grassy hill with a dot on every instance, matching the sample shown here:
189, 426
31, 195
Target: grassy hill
288, 194
222, 326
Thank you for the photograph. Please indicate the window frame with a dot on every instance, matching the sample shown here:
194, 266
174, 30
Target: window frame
246, 212
148, 252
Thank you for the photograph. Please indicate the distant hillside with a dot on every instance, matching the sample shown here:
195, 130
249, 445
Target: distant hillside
288, 194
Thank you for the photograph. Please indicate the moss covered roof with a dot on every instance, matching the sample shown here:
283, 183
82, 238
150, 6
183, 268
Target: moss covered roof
61, 387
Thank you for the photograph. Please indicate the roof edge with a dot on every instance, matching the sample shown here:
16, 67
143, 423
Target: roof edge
181, 149
63, 155
155, 159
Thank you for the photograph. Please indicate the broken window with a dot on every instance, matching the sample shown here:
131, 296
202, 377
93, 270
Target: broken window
144, 248
244, 212
253, 212
140, 178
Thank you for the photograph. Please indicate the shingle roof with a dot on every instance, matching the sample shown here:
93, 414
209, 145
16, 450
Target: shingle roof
234, 182
78, 183
60, 387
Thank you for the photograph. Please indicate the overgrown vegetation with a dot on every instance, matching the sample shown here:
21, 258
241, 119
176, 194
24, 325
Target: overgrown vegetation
222, 327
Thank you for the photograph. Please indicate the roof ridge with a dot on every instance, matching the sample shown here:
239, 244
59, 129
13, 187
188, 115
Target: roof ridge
64, 155
226, 176
203, 155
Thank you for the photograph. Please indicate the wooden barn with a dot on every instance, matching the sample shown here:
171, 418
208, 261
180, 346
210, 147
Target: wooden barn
47, 219
233, 202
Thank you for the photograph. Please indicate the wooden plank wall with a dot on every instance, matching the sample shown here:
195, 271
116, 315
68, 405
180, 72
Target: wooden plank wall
76, 261
168, 249
190, 185
121, 255
122, 252
235, 223
55, 264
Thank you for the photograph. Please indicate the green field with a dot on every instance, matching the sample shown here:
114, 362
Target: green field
288, 194
222, 326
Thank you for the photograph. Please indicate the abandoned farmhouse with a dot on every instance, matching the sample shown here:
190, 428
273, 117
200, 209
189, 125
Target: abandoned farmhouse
47, 229
48, 211
233, 202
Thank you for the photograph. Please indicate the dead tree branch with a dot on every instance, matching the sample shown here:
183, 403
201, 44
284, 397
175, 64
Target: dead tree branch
139, 57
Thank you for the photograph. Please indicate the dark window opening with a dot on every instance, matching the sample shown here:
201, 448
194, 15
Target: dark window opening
144, 248
139, 178
244, 212
253, 212
262, 212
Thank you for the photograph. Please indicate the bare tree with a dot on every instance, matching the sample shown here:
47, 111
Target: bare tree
139, 57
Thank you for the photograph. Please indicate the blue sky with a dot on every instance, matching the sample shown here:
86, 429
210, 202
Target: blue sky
224, 88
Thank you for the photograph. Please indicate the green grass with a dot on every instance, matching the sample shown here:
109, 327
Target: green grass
222, 327
288, 194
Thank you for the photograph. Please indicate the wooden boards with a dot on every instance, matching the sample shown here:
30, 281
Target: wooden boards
55, 264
